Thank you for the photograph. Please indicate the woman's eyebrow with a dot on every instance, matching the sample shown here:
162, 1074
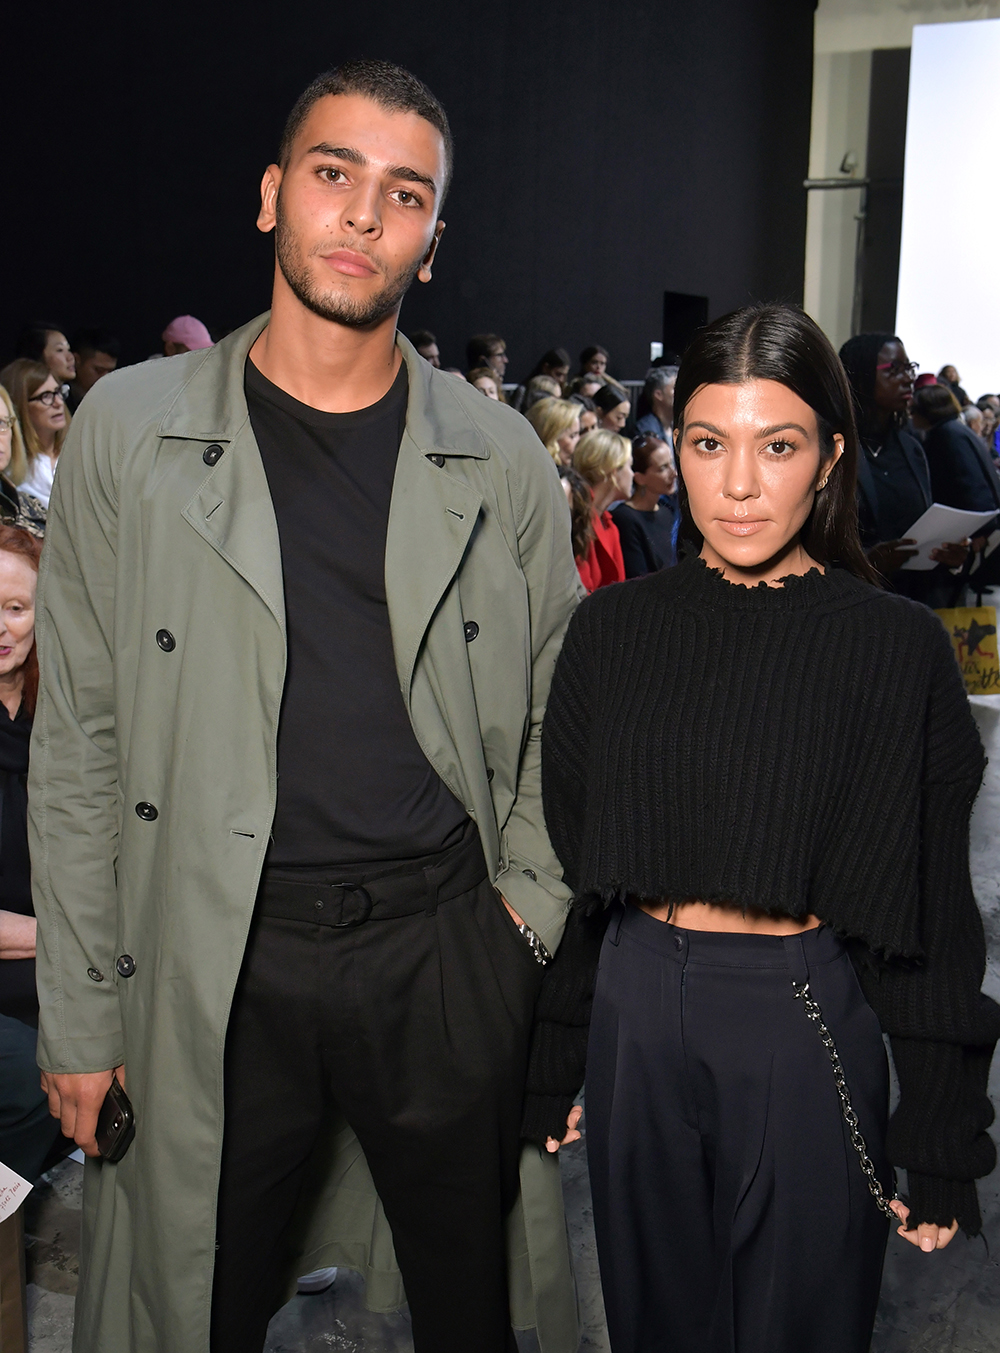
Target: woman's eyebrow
782, 427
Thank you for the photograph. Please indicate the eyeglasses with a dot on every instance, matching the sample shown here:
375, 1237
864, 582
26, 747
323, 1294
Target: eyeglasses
897, 369
49, 397
6, 424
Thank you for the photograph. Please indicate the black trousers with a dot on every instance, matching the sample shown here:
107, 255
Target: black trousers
28, 1132
731, 1212
416, 1030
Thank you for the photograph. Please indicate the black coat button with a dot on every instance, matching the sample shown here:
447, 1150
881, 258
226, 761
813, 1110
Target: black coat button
166, 640
95, 974
489, 774
436, 460
471, 630
531, 874
125, 965
212, 454
147, 812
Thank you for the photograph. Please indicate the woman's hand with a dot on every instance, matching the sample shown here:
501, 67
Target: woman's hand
926, 1236
572, 1135
17, 935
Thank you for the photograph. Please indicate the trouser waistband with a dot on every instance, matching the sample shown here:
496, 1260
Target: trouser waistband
378, 894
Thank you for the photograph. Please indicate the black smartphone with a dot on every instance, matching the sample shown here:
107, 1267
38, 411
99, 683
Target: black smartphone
115, 1124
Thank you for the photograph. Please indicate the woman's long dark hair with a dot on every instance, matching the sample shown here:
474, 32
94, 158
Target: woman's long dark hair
781, 343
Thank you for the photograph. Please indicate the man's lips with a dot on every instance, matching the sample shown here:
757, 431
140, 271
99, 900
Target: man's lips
349, 263
742, 526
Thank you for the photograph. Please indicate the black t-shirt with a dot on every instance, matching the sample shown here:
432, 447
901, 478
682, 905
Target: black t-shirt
353, 784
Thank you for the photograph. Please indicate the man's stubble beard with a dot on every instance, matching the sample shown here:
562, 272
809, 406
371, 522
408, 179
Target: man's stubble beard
331, 305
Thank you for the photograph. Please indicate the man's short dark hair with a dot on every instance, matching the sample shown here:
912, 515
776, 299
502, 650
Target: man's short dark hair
423, 338
480, 347
388, 85
95, 340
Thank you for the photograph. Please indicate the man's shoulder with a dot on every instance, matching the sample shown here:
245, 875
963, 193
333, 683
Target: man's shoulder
504, 431
135, 396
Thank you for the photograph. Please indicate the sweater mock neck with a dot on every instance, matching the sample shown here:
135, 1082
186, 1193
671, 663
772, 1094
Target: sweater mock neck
694, 583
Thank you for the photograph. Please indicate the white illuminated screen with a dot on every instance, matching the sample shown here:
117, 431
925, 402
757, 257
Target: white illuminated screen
948, 305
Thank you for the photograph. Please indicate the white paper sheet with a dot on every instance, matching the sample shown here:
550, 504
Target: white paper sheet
13, 1191
941, 525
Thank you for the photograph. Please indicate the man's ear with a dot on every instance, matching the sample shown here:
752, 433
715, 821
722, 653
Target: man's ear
424, 271
269, 186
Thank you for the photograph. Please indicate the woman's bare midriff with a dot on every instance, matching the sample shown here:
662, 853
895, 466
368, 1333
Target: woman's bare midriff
728, 918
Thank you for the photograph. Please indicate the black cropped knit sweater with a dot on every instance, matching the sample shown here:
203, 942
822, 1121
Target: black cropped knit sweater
803, 748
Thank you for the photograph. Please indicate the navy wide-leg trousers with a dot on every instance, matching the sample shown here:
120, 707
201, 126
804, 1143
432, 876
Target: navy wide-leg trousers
732, 1215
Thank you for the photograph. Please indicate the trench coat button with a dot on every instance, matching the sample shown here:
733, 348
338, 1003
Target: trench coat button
147, 812
212, 454
531, 874
125, 965
166, 640
95, 974
490, 774
471, 630
436, 460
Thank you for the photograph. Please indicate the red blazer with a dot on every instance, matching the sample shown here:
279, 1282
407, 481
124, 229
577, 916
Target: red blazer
603, 562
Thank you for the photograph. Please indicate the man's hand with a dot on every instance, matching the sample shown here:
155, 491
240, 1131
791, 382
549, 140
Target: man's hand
927, 1237
17, 935
572, 1135
952, 554
76, 1099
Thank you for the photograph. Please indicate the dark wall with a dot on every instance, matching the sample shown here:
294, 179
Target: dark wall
890, 87
604, 155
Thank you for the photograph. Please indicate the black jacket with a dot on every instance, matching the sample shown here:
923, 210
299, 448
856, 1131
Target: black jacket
962, 470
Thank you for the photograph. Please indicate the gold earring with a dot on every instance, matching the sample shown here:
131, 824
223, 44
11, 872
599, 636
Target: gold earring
822, 484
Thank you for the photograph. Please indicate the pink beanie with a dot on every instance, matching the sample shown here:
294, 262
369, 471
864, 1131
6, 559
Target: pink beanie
189, 331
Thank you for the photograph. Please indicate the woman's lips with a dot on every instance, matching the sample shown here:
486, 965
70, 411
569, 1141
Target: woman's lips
743, 526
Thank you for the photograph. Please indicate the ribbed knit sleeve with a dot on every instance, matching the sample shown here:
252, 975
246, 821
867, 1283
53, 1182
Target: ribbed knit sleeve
942, 1028
566, 745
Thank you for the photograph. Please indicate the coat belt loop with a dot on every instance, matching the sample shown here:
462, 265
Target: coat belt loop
797, 965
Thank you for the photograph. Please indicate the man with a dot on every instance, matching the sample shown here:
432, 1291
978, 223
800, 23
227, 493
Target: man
305, 553
96, 354
657, 403
427, 345
185, 334
487, 350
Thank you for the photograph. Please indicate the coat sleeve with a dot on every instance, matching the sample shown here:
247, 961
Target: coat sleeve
73, 785
531, 876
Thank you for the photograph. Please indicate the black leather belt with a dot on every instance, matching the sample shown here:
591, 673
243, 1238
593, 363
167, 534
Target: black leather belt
384, 896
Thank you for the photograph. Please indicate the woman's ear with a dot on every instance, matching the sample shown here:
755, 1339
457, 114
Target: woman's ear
826, 468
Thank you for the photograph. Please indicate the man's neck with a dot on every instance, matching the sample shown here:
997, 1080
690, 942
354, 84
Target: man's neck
326, 365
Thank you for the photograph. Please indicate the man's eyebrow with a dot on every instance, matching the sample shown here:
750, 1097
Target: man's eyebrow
353, 156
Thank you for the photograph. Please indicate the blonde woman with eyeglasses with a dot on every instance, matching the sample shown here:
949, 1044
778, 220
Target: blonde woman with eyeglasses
16, 508
40, 406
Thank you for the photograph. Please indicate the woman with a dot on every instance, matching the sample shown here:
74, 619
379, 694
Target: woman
586, 385
46, 343
588, 412
612, 408
538, 387
16, 508
40, 405
734, 768
594, 361
604, 461
962, 471
557, 422
948, 376
555, 364
647, 523
483, 379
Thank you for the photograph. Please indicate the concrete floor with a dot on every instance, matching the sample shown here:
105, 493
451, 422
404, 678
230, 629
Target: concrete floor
942, 1303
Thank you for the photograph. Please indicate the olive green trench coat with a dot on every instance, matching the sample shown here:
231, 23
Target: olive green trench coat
151, 530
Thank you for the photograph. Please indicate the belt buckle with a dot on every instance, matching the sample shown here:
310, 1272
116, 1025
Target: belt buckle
365, 908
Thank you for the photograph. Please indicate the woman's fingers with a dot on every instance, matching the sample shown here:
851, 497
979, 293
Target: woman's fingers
926, 1236
572, 1135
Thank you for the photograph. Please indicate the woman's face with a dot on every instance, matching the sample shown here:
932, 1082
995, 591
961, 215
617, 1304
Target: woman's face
57, 356
598, 364
487, 386
17, 611
622, 480
47, 418
588, 421
615, 419
6, 434
566, 442
659, 477
751, 462
893, 378
558, 373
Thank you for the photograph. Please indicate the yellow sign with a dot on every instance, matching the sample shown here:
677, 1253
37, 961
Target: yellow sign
973, 631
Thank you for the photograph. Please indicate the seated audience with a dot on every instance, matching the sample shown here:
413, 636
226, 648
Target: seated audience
538, 387
16, 508
972, 417
948, 375
655, 405
554, 363
612, 408
648, 522
427, 345
27, 1131
486, 381
604, 460
581, 511
40, 406
185, 334
487, 350
95, 354
586, 385
39, 342
962, 471
557, 422
594, 360
589, 416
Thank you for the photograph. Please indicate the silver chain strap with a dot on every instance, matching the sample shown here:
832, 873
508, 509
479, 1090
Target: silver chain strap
850, 1117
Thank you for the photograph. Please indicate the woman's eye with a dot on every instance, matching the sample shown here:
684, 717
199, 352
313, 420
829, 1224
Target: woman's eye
780, 448
708, 444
